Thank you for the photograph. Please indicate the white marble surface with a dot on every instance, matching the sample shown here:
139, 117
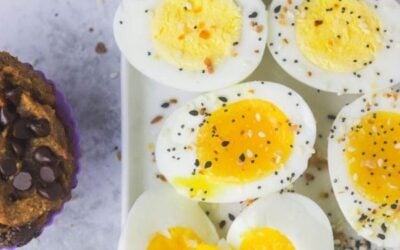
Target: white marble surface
54, 35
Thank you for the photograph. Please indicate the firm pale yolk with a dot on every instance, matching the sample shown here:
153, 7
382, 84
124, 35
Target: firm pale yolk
339, 36
196, 34
265, 239
178, 238
244, 141
373, 153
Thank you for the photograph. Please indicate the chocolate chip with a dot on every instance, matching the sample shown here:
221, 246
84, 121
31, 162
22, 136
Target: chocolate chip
14, 95
22, 181
7, 115
8, 167
40, 127
12, 197
44, 154
17, 147
52, 192
21, 129
47, 174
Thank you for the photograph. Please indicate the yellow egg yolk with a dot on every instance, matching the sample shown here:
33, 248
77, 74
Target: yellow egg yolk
239, 143
373, 153
178, 238
265, 239
339, 36
196, 34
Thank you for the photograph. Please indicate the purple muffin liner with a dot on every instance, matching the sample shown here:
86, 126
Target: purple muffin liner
65, 114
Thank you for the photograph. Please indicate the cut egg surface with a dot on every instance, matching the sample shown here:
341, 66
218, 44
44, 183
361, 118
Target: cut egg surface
163, 220
237, 143
194, 45
364, 153
342, 46
281, 222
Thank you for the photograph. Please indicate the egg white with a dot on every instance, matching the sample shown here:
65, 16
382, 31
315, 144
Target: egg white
382, 73
297, 217
159, 209
352, 203
180, 162
133, 36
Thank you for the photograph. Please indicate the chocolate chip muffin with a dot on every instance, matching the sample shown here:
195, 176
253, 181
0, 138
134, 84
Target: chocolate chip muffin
37, 163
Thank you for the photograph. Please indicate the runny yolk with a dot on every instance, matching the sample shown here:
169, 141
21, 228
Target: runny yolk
265, 238
239, 143
244, 141
373, 153
178, 238
339, 36
196, 34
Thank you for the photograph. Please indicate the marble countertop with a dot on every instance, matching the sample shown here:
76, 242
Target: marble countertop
60, 38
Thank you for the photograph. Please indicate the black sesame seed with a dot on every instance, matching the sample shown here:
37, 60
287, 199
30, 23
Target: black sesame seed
223, 99
225, 143
253, 15
208, 164
381, 236
242, 158
331, 117
362, 217
277, 9
194, 112
383, 227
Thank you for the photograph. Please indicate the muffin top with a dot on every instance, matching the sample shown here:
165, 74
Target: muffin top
36, 160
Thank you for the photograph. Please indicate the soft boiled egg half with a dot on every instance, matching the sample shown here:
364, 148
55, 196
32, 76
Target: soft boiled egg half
364, 153
237, 143
163, 220
281, 222
194, 45
342, 46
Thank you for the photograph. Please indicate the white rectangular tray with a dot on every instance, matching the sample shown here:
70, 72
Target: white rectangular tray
141, 102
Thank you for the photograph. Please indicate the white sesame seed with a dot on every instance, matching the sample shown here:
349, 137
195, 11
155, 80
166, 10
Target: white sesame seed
258, 117
380, 163
278, 159
351, 149
261, 134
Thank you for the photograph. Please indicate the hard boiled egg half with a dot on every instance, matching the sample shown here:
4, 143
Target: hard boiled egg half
342, 46
163, 220
194, 45
237, 143
364, 153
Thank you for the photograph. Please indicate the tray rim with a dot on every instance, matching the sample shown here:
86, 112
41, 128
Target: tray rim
124, 140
